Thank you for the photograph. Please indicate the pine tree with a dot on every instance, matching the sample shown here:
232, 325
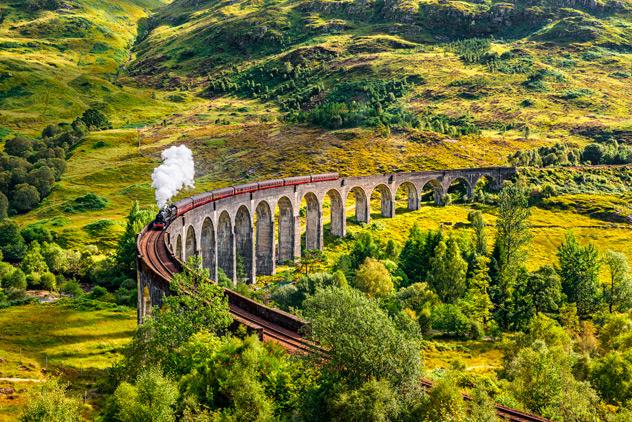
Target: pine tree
476, 304
510, 246
579, 270
447, 271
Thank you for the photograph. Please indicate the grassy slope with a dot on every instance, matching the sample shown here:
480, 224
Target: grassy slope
54, 65
79, 345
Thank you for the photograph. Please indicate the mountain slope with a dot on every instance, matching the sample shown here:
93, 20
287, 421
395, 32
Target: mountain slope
550, 66
59, 57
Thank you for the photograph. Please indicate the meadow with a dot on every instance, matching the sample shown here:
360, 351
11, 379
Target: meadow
75, 342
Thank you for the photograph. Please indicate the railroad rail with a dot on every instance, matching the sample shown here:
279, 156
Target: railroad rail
157, 264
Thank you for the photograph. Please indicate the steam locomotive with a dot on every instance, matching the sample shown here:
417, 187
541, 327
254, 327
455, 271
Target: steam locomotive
169, 212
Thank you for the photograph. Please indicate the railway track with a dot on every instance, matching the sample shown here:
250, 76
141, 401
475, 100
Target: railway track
155, 255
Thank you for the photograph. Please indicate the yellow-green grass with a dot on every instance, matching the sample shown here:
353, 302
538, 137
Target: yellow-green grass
548, 229
59, 76
481, 357
40, 341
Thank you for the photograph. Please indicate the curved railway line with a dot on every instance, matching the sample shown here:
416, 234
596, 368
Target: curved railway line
157, 259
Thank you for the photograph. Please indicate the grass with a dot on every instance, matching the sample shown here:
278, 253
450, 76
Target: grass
43, 340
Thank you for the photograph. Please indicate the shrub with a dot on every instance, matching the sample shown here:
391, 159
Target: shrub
49, 403
72, 288
48, 281
25, 197
449, 319
95, 119
15, 280
87, 202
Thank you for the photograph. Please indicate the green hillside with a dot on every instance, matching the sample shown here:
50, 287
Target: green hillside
60, 57
559, 68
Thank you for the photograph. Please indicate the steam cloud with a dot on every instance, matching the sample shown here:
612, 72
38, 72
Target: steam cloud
176, 172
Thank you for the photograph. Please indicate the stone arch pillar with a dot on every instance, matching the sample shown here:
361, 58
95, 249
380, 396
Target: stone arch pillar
362, 213
208, 248
314, 222
178, 250
244, 231
387, 208
436, 188
190, 244
338, 217
264, 249
286, 230
411, 195
226, 246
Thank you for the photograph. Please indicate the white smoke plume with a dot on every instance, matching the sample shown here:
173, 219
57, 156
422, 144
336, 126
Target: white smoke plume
176, 172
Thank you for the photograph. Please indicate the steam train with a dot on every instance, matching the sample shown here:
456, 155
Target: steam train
169, 212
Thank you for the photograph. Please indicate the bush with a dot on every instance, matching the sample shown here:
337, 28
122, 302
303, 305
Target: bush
25, 197
101, 294
95, 120
48, 281
72, 288
450, 319
49, 403
16, 280
151, 399
87, 202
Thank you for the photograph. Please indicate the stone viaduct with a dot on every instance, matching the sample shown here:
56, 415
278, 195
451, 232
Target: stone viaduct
263, 228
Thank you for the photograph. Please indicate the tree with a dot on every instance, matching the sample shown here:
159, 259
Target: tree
478, 223
55, 257
541, 378
33, 261
42, 178
194, 305
510, 245
373, 279
25, 197
535, 292
409, 256
363, 341
579, 270
612, 377
152, 399
95, 119
125, 257
593, 153
373, 401
619, 294
18, 146
365, 246
49, 403
4, 206
476, 304
447, 271
11, 241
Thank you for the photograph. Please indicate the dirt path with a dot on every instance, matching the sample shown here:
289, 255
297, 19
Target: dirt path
21, 380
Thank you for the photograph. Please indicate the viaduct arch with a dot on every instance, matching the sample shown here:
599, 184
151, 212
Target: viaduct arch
249, 234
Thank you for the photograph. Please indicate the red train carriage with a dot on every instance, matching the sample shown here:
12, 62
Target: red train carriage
250, 187
324, 177
269, 184
223, 193
202, 198
183, 206
298, 180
